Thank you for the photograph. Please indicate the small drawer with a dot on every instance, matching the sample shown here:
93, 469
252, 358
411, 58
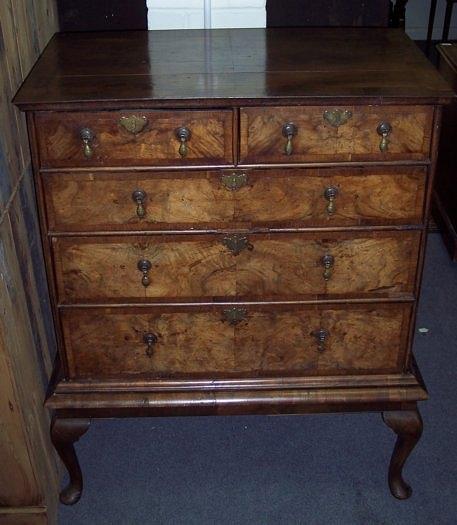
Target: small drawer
328, 134
245, 266
125, 138
268, 198
235, 340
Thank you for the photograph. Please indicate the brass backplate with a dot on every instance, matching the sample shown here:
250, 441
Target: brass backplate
234, 181
133, 123
236, 243
337, 117
235, 315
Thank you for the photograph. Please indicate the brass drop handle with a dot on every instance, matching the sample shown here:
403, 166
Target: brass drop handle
289, 130
139, 197
144, 266
183, 135
321, 335
384, 129
87, 136
330, 194
328, 262
150, 339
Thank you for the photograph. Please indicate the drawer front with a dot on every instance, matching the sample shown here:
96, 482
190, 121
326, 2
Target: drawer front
327, 134
258, 266
243, 341
135, 139
234, 198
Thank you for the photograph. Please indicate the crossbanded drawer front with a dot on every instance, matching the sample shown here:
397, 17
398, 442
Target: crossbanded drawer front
140, 138
252, 266
235, 341
334, 134
234, 198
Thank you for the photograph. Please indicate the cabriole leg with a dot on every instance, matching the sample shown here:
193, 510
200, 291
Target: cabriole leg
64, 433
407, 424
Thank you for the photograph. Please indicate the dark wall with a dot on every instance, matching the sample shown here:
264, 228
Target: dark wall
304, 13
101, 15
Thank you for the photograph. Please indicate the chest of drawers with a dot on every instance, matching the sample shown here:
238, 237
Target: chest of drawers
234, 222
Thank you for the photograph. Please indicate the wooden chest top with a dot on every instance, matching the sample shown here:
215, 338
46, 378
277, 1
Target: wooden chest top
231, 67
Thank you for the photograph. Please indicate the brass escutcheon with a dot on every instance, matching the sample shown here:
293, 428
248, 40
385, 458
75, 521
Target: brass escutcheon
337, 117
235, 315
234, 181
236, 243
133, 123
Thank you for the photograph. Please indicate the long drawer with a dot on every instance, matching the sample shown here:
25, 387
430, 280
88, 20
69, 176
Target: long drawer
125, 138
329, 134
234, 198
252, 266
235, 341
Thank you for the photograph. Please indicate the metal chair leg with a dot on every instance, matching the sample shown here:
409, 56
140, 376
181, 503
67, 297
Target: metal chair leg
431, 23
447, 20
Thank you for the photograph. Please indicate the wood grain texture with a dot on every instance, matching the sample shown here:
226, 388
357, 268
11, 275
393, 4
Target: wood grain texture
229, 67
37, 517
28, 470
28, 476
199, 199
271, 360
200, 266
199, 341
262, 141
60, 144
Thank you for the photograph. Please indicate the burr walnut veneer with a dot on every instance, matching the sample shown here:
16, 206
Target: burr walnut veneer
234, 223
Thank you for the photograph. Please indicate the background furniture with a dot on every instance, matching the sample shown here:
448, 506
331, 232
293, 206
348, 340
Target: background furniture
300, 13
234, 260
446, 25
445, 196
327, 13
28, 468
447, 18
102, 15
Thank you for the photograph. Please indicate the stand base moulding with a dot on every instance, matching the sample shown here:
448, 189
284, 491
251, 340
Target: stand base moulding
234, 222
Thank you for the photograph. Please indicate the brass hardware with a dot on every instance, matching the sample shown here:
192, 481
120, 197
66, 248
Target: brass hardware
337, 117
144, 266
327, 262
236, 243
289, 130
133, 123
183, 135
384, 129
87, 136
139, 196
150, 339
321, 335
235, 315
234, 181
330, 194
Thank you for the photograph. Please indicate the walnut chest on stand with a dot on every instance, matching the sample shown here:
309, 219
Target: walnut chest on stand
234, 222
